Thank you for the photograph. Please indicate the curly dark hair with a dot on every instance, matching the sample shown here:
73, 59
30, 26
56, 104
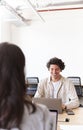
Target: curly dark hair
56, 61
12, 86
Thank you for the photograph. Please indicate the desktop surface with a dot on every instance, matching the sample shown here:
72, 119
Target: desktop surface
76, 119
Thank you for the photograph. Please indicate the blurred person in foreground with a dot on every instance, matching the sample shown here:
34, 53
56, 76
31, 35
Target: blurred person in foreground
57, 86
16, 112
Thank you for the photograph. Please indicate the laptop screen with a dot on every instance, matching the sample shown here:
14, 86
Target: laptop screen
54, 118
53, 104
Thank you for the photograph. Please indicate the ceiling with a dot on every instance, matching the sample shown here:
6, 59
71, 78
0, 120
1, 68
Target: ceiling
25, 11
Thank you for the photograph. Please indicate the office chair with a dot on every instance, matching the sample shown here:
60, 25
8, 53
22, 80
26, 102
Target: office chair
77, 83
31, 83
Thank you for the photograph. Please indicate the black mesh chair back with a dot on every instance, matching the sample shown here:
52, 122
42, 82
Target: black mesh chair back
32, 83
77, 83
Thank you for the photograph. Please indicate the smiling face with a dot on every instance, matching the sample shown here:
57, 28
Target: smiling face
54, 71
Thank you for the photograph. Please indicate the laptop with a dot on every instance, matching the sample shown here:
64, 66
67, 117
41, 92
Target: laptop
54, 118
53, 104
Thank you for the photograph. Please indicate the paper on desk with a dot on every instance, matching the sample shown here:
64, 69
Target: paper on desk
71, 127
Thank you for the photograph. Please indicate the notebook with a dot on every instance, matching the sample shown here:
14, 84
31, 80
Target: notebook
53, 104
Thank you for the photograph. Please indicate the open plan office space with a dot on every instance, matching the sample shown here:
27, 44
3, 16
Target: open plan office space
44, 29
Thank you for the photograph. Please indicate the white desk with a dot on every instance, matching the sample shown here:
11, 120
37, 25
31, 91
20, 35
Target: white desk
76, 119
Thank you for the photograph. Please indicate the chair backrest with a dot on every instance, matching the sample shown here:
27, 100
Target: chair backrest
77, 83
32, 83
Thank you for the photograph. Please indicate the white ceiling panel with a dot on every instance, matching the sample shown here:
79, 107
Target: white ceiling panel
27, 11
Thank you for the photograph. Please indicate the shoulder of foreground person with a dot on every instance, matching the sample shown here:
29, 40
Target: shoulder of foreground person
40, 120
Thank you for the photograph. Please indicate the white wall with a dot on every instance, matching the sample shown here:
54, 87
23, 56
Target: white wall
61, 35
0, 30
5, 31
